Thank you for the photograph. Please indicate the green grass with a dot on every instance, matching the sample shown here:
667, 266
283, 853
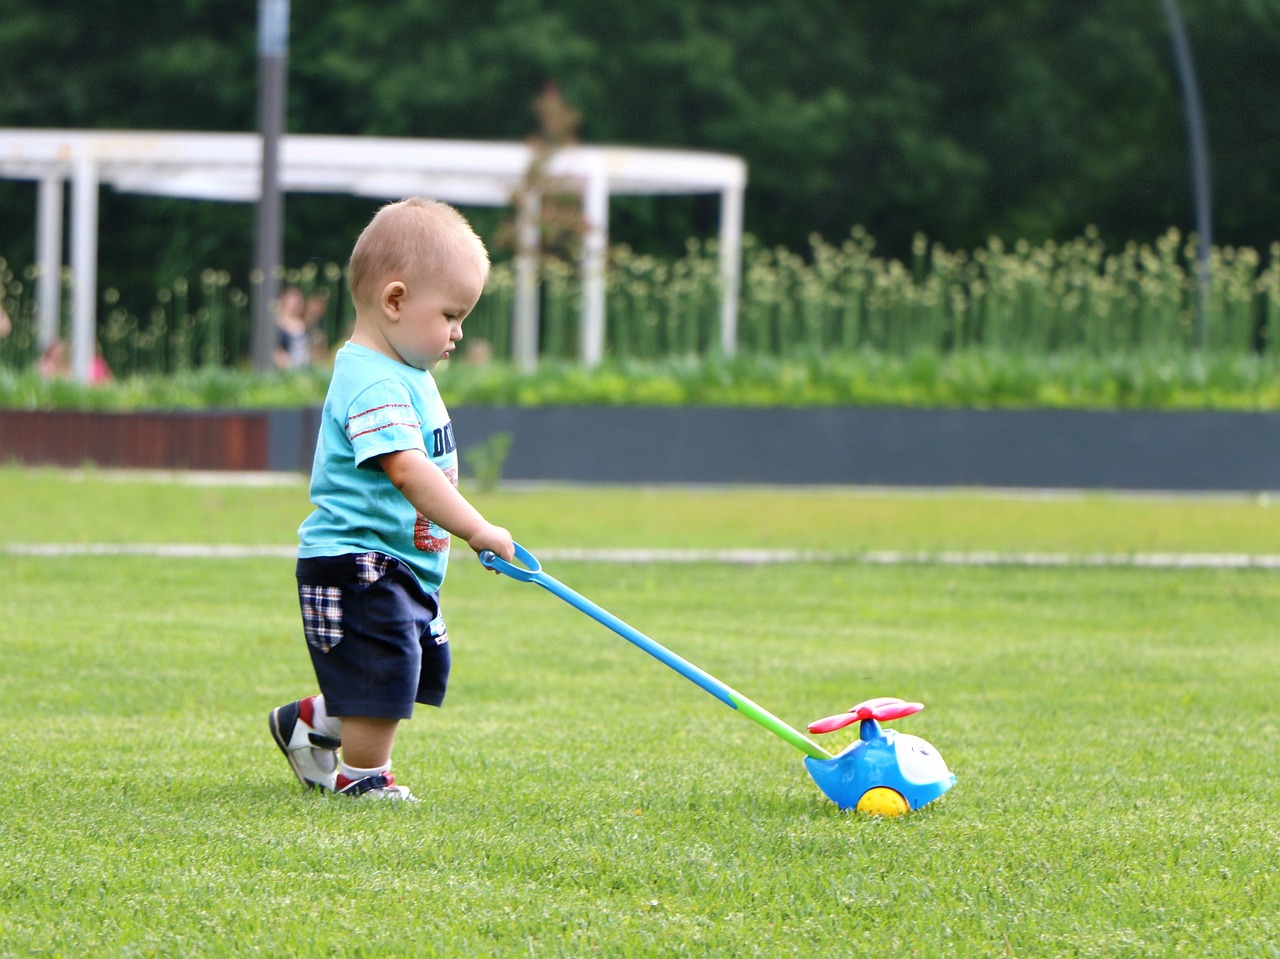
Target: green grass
104, 506
1112, 730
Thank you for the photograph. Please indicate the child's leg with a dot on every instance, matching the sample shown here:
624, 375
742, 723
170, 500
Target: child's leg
367, 742
366, 759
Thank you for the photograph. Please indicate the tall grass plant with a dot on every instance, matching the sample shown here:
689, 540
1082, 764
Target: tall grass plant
1074, 298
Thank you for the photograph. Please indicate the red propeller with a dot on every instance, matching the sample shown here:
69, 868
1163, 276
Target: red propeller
882, 709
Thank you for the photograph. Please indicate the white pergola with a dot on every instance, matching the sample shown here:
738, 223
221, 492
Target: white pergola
226, 166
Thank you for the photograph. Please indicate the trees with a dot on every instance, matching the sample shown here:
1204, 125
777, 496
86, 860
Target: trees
957, 119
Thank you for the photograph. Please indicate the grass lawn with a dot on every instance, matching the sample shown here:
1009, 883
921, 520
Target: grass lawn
1113, 731
44, 505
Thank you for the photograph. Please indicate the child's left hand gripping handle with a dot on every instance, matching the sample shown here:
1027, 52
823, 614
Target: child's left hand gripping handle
525, 573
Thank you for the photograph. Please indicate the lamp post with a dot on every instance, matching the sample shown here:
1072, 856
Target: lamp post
1199, 152
273, 59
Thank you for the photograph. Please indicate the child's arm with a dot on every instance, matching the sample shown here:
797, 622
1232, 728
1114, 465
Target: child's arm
429, 490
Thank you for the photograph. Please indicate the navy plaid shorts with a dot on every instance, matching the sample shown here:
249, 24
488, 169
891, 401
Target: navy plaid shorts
377, 641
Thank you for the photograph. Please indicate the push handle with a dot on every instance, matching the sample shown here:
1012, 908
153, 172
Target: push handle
531, 572
525, 573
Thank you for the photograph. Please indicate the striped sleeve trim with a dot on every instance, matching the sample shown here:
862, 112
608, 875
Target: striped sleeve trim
383, 426
380, 418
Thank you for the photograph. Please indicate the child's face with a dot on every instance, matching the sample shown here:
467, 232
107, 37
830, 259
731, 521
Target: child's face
430, 312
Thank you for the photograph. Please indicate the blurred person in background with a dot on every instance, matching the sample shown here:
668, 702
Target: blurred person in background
293, 348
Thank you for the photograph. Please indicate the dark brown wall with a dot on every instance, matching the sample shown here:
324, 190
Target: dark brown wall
231, 441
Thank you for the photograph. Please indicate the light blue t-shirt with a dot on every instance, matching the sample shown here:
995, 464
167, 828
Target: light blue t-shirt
377, 405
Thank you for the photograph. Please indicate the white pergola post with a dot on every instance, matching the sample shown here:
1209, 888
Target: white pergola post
84, 267
49, 259
595, 209
731, 201
524, 322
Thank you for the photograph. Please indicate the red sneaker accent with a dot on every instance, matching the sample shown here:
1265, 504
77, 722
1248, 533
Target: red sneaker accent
342, 782
307, 711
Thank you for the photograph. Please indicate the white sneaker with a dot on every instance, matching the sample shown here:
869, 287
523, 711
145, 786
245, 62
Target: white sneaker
313, 756
379, 786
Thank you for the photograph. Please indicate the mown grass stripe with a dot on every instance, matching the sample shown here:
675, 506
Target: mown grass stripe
732, 557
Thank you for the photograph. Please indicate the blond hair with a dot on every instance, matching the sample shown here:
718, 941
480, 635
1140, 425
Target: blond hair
410, 238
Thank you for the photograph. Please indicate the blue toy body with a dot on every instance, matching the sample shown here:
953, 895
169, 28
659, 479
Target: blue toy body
882, 758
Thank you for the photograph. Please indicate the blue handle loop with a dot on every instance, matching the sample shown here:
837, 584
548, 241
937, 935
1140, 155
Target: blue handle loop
525, 574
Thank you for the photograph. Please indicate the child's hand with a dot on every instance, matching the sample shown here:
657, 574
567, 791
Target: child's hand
496, 539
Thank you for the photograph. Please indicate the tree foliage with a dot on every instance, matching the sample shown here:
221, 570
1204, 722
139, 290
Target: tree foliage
960, 119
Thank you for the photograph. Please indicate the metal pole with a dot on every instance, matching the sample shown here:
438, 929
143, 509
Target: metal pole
273, 60
49, 260
1198, 148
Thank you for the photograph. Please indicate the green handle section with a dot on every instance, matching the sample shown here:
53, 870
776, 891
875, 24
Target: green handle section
762, 717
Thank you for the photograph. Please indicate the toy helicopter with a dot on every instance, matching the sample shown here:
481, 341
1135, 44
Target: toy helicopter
883, 772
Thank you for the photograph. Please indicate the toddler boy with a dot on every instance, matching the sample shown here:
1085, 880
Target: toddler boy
373, 553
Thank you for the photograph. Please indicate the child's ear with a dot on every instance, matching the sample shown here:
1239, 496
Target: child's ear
392, 298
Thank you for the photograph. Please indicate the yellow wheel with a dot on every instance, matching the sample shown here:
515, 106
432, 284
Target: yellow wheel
882, 801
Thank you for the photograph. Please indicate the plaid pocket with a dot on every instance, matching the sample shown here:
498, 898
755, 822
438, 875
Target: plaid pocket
371, 567
321, 615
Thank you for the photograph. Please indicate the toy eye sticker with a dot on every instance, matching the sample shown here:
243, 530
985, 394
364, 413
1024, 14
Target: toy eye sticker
918, 760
